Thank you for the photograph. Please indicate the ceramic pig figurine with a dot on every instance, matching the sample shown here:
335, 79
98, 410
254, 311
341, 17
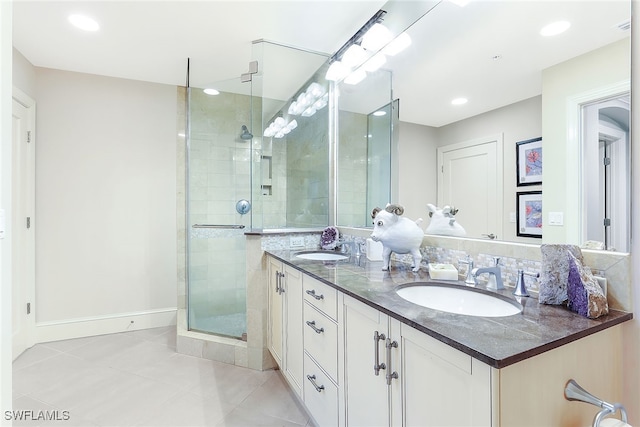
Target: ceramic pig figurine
443, 222
397, 234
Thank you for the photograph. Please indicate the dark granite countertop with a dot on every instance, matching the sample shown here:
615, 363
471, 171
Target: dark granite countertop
496, 341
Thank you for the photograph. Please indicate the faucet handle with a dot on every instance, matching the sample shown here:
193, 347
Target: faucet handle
496, 260
470, 279
521, 288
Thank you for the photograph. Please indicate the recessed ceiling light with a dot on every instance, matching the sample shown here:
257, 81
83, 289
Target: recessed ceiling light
555, 28
84, 22
380, 113
459, 101
211, 91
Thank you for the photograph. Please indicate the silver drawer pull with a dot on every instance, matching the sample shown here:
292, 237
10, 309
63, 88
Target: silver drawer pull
312, 379
312, 292
312, 325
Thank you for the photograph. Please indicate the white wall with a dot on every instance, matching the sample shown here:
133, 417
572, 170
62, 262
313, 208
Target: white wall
561, 164
416, 169
5, 203
418, 161
632, 329
105, 204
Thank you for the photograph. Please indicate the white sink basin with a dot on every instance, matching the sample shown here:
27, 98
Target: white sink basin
321, 256
459, 300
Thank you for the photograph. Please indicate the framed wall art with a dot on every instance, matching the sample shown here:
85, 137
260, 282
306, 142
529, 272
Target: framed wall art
529, 214
529, 162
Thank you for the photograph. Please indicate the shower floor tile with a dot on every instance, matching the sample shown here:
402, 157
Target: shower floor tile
137, 379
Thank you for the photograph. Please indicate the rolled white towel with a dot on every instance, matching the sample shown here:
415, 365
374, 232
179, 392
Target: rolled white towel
612, 422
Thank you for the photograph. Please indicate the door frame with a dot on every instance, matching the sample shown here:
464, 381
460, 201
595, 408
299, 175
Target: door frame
28, 187
575, 203
498, 139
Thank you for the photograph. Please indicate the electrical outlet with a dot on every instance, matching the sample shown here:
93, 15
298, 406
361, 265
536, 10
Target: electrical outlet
296, 241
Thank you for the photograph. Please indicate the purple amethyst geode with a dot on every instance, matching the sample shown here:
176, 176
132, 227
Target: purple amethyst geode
585, 295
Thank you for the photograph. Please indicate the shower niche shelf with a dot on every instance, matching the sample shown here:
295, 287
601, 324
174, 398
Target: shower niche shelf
267, 175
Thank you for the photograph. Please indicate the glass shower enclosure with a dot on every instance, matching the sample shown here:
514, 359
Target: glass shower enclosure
219, 198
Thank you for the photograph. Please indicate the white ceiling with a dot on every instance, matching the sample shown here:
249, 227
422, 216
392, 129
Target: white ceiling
450, 57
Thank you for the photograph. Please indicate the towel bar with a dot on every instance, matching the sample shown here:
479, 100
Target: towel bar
572, 391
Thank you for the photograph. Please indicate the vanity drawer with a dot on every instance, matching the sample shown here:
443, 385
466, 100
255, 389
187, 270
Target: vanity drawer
321, 296
320, 394
321, 339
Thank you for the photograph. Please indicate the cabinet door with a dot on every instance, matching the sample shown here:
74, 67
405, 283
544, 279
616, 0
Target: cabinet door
293, 359
442, 386
276, 306
367, 394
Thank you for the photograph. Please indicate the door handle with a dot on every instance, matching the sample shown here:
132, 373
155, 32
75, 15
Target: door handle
376, 353
390, 345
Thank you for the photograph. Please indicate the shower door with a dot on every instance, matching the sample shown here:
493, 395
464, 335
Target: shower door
218, 195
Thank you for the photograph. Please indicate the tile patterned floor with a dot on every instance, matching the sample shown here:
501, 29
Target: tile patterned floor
137, 379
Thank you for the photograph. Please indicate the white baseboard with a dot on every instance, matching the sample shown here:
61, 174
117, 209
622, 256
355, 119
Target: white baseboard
100, 325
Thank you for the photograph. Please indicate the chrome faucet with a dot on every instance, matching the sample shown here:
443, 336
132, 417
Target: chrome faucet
495, 275
350, 247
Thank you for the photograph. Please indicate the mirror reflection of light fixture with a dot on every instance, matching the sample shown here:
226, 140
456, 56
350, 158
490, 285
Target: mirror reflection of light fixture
314, 98
398, 44
375, 62
279, 128
211, 91
356, 77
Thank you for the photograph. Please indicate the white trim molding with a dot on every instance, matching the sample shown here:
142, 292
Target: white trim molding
574, 191
107, 324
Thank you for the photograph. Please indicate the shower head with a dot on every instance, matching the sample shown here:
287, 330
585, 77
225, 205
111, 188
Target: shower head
245, 135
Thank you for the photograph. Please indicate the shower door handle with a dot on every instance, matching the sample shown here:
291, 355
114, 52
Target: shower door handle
229, 226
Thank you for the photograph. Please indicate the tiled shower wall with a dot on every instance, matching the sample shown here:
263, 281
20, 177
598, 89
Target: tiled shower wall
307, 172
352, 168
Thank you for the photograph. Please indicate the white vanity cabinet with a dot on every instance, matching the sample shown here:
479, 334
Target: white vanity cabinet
396, 375
354, 365
321, 350
285, 321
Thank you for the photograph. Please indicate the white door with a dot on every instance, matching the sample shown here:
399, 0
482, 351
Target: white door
276, 307
22, 222
470, 178
367, 393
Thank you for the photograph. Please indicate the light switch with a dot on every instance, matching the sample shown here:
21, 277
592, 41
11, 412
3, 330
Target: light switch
556, 218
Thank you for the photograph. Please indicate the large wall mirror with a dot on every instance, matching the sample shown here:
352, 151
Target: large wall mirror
519, 85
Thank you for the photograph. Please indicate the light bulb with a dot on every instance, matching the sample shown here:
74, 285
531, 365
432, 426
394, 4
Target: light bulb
377, 36
354, 56
337, 71
356, 77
